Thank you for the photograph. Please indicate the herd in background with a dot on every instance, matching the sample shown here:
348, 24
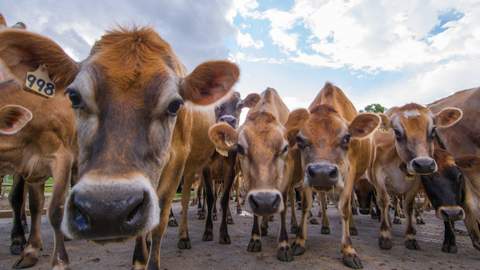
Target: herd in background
140, 126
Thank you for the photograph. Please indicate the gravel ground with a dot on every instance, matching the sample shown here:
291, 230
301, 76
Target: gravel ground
322, 250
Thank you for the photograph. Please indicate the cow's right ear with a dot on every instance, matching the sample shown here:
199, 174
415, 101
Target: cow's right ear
224, 137
13, 118
23, 51
385, 123
296, 120
468, 162
250, 101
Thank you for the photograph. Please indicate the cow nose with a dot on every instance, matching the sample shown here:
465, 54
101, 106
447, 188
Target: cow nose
452, 213
265, 203
322, 175
424, 165
229, 119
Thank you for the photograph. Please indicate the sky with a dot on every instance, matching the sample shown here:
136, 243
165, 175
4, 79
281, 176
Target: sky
376, 51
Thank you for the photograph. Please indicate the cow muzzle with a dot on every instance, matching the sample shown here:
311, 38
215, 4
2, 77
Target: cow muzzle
265, 202
229, 119
422, 166
450, 213
321, 175
110, 209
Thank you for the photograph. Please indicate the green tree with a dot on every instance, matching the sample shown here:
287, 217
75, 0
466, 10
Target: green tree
375, 108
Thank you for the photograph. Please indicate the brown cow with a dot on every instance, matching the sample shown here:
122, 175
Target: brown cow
334, 145
402, 152
262, 147
138, 128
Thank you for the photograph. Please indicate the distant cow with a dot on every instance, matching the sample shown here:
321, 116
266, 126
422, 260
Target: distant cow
402, 153
137, 129
262, 147
334, 143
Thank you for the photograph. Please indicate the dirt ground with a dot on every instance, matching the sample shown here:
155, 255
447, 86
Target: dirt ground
322, 250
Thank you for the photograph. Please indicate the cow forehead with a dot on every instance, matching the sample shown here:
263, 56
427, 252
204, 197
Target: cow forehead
261, 136
413, 121
325, 128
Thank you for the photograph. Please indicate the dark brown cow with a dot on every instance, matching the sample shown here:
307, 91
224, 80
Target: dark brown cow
334, 144
262, 148
137, 127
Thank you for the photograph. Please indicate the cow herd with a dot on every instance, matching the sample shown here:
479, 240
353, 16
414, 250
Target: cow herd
127, 125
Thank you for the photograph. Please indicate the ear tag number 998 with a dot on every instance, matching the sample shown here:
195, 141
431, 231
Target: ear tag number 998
39, 82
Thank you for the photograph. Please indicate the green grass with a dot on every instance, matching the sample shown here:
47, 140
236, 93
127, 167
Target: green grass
8, 181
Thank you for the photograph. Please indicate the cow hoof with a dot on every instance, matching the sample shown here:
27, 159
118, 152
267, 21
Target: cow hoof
420, 221
352, 261
297, 249
353, 231
314, 221
225, 239
207, 236
26, 261
17, 246
397, 220
230, 221
412, 244
285, 254
325, 230
385, 243
254, 246
239, 210
449, 248
184, 244
294, 229
172, 223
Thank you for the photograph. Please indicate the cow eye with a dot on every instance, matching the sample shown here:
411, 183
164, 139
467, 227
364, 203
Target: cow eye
459, 178
75, 98
240, 149
301, 142
174, 106
284, 150
346, 140
398, 134
433, 133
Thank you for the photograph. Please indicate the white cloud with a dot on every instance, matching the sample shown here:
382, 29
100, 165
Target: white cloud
245, 40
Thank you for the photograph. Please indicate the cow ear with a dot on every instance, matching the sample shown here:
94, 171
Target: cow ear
23, 51
364, 124
385, 124
296, 120
468, 162
223, 136
250, 101
447, 117
13, 118
209, 82
3, 22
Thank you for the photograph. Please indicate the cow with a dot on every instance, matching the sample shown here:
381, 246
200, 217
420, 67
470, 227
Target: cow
367, 201
402, 151
139, 131
334, 144
262, 147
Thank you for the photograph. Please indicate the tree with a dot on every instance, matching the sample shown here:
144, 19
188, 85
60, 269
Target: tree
375, 108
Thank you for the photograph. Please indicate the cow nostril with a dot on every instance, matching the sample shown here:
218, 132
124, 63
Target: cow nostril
311, 171
276, 201
253, 202
333, 173
80, 218
136, 209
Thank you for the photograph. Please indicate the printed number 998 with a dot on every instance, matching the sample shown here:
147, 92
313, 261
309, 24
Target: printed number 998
40, 85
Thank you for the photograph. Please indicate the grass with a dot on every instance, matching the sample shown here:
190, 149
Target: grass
8, 181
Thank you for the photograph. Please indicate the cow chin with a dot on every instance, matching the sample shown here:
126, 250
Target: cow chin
106, 209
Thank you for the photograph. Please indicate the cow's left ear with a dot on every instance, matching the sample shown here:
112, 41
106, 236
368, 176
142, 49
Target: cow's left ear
363, 125
468, 162
209, 82
447, 117
13, 118
224, 137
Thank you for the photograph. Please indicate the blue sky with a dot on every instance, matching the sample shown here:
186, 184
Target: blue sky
390, 52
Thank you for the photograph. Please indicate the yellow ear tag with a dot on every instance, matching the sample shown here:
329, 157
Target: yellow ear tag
39, 82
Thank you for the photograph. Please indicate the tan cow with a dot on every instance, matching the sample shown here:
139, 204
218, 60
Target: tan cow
262, 147
401, 153
137, 129
334, 144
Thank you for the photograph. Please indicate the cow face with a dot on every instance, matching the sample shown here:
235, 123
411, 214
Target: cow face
365, 193
127, 96
324, 140
444, 188
414, 128
229, 110
262, 149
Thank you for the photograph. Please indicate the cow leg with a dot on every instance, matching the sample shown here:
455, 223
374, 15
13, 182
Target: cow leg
354, 207
293, 218
61, 172
284, 252
323, 206
299, 244
216, 193
16, 199
410, 241
353, 228
264, 226
313, 219
237, 193
172, 221
184, 239
449, 243
255, 244
140, 253
397, 209
201, 201
229, 178
207, 180
419, 213
383, 201
157, 234
31, 253
350, 257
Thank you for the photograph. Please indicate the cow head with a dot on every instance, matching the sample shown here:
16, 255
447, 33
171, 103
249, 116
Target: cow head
262, 148
127, 97
229, 110
365, 193
444, 188
414, 128
324, 139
